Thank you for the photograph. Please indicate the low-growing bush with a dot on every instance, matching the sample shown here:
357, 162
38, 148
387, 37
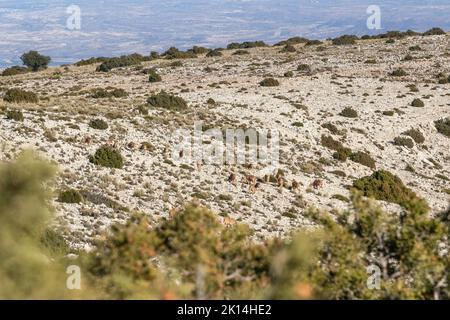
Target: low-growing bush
107, 156
93, 60
349, 112
363, 158
398, 73
289, 74
214, 53
246, 45
153, 76
303, 68
19, 95
383, 185
345, 40
416, 135
101, 93
443, 126
15, 70
70, 196
98, 124
288, 48
240, 52
120, 62
404, 142
434, 32
174, 53
167, 101
418, 103
269, 82
15, 115
342, 153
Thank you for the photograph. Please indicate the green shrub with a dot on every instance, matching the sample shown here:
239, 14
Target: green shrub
90, 61
418, 103
240, 52
345, 40
199, 50
19, 96
332, 128
363, 158
342, 153
415, 48
246, 45
443, 126
214, 53
70, 196
107, 157
153, 76
167, 101
120, 62
291, 41
304, 68
349, 113
101, 93
416, 135
35, 61
15, 115
15, 70
174, 53
98, 124
288, 48
434, 32
398, 73
383, 185
211, 101
313, 43
269, 82
403, 141
289, 74
389, 113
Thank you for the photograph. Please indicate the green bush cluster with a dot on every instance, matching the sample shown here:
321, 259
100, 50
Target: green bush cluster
120, 62
153, 76
349, 112
107, 157
15, 115
174, 53
363, 158
385, 186
418, 103
240, 52
109, 92
416, 135
15, 70
443, 126
98, 124
246, 45
70, 196
269, 82
404, 142
398, 73
93, 60
303, 68
18, 96
434, 32
345, 40
342, 153
214, 53
289, 48
167, 101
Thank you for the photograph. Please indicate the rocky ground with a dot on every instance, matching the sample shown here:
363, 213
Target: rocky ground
356, 76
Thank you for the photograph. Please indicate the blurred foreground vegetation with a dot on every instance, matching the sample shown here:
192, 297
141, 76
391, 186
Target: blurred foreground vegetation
192, 255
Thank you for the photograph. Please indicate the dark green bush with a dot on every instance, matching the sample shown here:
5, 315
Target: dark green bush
443, 126
35, 61
403, 141
288, 48
19, 95
153, 76
269, 82
90, 61
289, 74
418, 103
246, 45
291, 41
416, 135
313, 43
15, 70
240, 52
174, 53
363, 158
198, 50
434, 32
304, 68
383, 185
101, 93
214, 53
345, 40
342, 153
70, 196
398, 73
107, 157
98, 124
349, 113
120, 62
167, 101
15, 115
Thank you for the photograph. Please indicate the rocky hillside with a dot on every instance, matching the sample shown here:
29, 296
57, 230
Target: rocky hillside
343, 112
